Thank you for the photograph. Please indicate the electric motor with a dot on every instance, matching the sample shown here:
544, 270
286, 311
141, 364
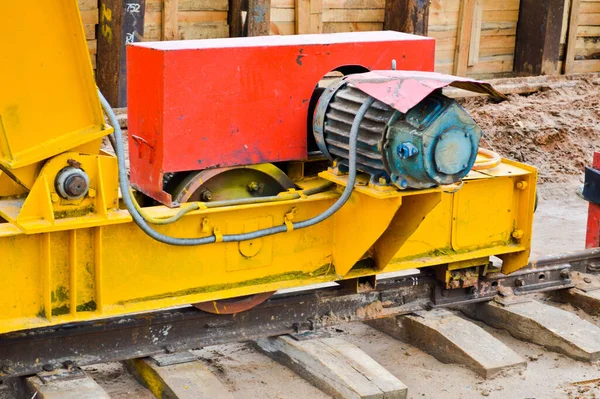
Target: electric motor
434, 143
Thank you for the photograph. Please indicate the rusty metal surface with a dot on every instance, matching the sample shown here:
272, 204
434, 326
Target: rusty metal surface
234, 305
403, 90
169, 331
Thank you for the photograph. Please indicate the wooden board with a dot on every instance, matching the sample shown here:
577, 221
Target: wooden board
539, 35
583, 45
187, 19
493, 25
338, 368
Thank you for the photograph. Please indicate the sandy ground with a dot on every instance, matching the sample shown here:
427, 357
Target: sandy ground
556, 131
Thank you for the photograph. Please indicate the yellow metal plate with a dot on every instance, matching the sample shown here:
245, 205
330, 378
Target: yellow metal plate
48, 101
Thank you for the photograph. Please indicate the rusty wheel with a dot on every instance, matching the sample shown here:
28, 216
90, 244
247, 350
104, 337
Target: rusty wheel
234, 305
226, 184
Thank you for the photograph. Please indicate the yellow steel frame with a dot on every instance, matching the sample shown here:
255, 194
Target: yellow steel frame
66, 261
93, 261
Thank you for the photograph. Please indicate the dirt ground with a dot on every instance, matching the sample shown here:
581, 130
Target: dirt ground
555, 130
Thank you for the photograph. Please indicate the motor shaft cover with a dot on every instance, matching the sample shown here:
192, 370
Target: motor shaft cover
433, 143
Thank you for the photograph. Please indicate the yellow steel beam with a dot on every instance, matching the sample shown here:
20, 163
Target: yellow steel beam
62, 266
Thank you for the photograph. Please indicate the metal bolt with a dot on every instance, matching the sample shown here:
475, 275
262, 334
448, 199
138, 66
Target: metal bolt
48, 367
406, 150
72, 183
169, 348
472, 291
54, 197
519, 282
565, 273
92, 193
522, 185
518, 234
382, 180
587, 280
253, 186
75, 186
206, 196
69, 364
404, 184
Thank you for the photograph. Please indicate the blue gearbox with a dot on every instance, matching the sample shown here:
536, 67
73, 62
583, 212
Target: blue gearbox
434, 143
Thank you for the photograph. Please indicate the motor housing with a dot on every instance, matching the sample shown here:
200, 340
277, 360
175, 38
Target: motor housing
433, 143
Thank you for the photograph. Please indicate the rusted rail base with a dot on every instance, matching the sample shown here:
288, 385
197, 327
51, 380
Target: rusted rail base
29, 352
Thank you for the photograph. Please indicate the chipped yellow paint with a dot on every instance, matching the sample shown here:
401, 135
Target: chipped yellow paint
147, 376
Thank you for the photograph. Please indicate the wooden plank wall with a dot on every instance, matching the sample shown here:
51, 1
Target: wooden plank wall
191, 19
494, 28
498, 21
485, 50
587, 42
283, 18
89, 16
326, 16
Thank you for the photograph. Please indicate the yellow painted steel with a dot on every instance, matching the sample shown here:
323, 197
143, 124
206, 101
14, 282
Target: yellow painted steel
66, 261
100, 264
48, 101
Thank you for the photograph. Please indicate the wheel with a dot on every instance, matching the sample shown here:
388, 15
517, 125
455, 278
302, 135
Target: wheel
227, 184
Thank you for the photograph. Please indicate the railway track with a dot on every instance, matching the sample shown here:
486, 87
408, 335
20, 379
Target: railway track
409, 307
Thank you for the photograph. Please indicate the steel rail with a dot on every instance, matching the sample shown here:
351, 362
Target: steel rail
85, 343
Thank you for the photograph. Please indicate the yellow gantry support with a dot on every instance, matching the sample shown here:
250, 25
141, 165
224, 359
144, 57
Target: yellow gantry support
48, 100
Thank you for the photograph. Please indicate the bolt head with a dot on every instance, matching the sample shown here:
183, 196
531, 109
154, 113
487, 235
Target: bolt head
75, 186
522, 185
72, 183
253, 186
519, 282
49, 367
206, 196
565, 274
587, 280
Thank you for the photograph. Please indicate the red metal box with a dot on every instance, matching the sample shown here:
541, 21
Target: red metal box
200, 104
